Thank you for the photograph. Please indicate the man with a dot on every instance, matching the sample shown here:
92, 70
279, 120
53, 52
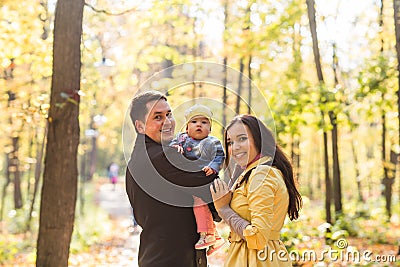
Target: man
160, 183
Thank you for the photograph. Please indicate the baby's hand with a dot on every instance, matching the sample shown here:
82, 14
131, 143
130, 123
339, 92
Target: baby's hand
208, 170
180, 149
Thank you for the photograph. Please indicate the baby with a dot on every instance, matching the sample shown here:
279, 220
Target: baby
197, 144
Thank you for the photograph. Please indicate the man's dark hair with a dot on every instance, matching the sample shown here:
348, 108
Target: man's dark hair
138, 109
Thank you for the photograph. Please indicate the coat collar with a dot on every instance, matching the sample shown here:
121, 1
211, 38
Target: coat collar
144, 139
256, 163
260, 161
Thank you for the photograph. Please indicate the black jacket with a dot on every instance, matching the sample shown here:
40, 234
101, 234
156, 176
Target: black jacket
160, 184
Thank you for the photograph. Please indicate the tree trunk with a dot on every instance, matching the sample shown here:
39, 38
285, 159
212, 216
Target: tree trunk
57, 210
383, 148
313, 29
93, 155
16, 174
357, 169
6, 184
337, 189
396, 5
225, 75
224, 95
383, 120
240, 84
370, 156
82, 179
328, 187
317, 60
38, 172
250, 92
294, 154
166, 65
32, 139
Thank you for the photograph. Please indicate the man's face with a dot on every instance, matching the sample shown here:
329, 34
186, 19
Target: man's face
159, 123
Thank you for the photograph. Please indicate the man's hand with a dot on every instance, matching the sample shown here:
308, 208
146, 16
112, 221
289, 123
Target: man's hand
221, 195
208, 170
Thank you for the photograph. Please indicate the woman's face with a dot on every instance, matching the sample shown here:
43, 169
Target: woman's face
241, 147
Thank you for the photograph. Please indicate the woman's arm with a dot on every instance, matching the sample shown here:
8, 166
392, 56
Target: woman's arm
222, 197
237, 223
260, 197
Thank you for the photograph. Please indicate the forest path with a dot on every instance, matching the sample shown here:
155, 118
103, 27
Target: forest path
121, 249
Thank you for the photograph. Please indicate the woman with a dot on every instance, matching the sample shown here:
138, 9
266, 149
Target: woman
256, 204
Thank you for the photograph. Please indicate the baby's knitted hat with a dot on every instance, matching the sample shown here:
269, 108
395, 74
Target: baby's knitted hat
198, 110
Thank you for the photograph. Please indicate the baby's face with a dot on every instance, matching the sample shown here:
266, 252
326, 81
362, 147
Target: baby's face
198, 127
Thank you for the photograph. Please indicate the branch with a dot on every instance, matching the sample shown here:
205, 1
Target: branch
108, 12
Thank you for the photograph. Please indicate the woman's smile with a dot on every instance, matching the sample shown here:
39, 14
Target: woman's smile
241, 144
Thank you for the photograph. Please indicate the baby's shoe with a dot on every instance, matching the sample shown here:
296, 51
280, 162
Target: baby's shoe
205, 241
219, 243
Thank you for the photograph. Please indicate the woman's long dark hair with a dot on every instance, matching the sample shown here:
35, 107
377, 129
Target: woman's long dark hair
266, 145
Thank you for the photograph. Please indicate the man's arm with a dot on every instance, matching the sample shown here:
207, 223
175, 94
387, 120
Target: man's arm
178, 170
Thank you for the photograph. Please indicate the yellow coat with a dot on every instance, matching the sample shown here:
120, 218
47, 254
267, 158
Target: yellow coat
263, 201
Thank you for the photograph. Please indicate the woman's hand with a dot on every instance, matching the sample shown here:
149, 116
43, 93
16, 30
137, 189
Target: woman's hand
221, 196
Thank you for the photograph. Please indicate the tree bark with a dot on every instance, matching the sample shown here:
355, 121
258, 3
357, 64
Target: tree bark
383, 120
225, 62
4, 189
240, 85
32, 140
317, 60
224, 95
57, 210
38, 171
396, 4
357, 169
313, 29
16, 173
328, 187
250, 92
337, 189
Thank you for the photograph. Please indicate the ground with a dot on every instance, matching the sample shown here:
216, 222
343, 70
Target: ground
120, 246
